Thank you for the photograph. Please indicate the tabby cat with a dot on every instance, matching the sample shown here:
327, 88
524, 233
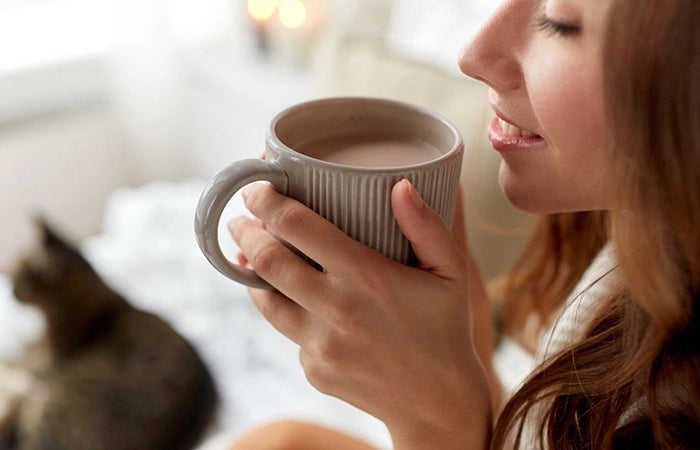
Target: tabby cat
119, 378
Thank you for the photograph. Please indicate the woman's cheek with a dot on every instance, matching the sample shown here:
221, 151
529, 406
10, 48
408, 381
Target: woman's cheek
562, 175
567, 98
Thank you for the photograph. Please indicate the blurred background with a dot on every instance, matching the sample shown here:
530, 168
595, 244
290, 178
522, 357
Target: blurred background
114, 113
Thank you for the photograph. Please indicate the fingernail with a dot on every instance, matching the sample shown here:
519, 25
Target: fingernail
245, 192
415, 196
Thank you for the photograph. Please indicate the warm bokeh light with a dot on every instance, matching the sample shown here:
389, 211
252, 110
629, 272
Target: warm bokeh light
292, 13
262, 10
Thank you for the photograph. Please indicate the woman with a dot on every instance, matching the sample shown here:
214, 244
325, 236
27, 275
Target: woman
597, 107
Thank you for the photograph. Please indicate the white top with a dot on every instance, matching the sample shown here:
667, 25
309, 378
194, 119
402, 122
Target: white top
596, 283
513, 364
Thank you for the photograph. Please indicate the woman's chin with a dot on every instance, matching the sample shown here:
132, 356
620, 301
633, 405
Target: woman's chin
522, 194
540, 195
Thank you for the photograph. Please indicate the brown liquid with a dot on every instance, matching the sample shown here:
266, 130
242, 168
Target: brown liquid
368, 151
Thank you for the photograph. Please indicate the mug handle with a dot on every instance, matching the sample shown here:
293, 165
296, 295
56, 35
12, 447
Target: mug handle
212, 202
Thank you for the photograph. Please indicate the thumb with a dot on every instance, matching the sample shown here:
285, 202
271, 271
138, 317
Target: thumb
431, 240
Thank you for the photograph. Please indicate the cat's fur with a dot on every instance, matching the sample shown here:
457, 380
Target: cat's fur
119, 378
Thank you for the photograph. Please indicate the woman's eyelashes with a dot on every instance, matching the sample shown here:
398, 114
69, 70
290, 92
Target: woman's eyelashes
552, 27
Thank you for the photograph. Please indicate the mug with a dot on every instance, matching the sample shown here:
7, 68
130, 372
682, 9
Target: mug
341, 157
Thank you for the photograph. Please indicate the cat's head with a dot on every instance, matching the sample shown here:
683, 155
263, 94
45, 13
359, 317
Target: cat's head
54, 270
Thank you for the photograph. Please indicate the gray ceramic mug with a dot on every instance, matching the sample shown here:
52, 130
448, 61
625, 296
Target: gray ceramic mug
341, 157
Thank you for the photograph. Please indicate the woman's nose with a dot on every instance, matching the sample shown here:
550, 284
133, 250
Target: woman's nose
492, 56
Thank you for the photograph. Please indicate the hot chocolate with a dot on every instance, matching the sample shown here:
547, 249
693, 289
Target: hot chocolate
370, 151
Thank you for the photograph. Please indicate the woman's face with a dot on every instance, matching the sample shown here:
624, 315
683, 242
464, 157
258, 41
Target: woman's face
543, 63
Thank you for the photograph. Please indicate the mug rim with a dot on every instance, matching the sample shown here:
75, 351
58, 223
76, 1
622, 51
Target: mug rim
277, 144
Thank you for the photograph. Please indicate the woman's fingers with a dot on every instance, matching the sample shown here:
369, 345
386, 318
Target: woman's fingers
287, 317
313, 235
242, 260
431, 240
275, 263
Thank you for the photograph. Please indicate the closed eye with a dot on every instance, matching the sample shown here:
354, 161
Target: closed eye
546, 24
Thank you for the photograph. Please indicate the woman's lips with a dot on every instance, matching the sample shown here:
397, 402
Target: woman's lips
503, 141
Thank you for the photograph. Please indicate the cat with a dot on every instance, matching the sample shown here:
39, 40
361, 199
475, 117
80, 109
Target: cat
118, 377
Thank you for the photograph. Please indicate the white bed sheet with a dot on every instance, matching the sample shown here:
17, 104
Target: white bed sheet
147, 251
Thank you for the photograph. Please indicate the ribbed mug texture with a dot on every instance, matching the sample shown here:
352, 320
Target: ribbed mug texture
360, 204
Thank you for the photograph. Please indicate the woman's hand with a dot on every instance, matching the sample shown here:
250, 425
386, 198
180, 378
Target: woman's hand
393, 340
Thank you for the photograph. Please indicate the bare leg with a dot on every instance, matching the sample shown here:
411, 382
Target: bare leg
292, 435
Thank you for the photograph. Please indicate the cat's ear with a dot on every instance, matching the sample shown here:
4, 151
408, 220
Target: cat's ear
61, 251
49, 237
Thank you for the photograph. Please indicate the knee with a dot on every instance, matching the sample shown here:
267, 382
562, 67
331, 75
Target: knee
283, 435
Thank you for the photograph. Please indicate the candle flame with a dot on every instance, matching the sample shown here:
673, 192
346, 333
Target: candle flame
292, 13
262, 10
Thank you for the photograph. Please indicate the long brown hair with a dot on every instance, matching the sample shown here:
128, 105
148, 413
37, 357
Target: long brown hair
639, 359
